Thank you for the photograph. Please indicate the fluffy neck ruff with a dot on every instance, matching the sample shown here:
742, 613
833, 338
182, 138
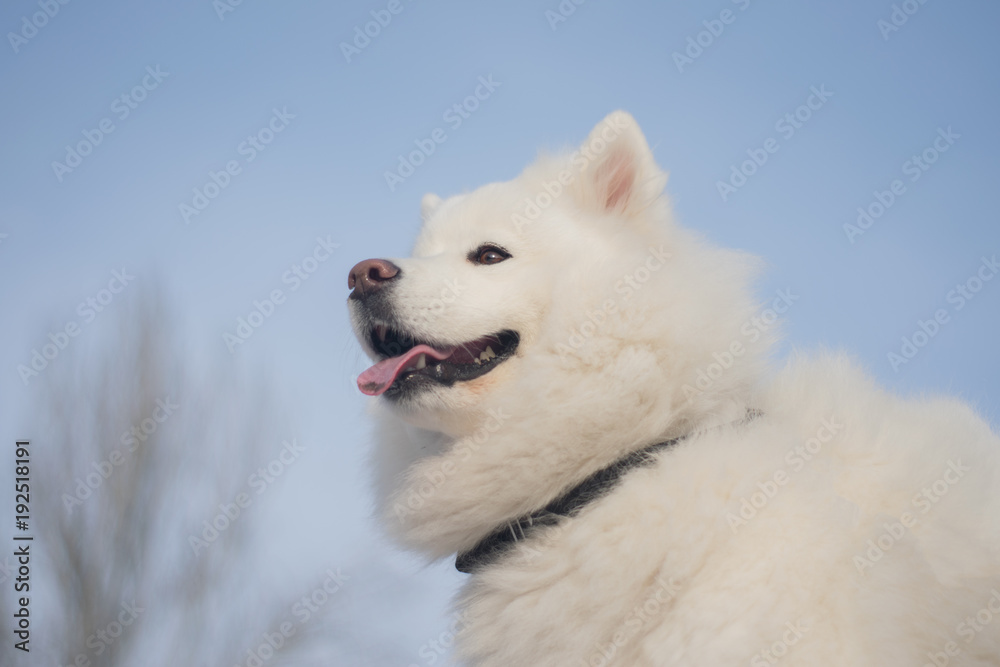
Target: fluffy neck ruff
523, 456
492, 547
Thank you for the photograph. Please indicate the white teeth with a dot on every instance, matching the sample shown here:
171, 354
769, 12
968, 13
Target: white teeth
421, 361
487, 355
380, 331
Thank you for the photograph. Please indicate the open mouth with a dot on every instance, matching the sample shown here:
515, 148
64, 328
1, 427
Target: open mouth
408, 363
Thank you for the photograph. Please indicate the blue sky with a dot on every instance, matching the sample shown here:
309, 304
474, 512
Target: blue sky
888, 94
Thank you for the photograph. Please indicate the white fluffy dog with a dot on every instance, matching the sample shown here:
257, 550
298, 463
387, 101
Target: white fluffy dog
575, 399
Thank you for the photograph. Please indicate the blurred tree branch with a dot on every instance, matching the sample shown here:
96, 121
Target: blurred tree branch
124, 481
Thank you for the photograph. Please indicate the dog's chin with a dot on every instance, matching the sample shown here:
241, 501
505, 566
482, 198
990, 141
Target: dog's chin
457, 410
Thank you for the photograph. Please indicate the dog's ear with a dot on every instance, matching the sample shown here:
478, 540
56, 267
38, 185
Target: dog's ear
428, 205
619, 174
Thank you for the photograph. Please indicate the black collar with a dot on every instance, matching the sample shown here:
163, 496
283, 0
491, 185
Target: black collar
494, 545
497, 543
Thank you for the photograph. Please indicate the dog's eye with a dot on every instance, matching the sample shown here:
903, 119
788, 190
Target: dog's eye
488, 254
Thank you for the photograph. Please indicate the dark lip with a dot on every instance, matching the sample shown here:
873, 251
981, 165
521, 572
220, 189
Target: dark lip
441, 373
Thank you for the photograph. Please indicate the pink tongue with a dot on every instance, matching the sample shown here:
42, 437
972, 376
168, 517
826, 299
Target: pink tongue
380, 377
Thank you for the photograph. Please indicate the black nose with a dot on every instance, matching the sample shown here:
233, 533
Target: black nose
370, 276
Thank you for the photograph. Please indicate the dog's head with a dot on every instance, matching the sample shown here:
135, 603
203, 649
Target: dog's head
507, 278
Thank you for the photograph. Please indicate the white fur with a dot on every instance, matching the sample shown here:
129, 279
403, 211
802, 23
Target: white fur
456, 462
